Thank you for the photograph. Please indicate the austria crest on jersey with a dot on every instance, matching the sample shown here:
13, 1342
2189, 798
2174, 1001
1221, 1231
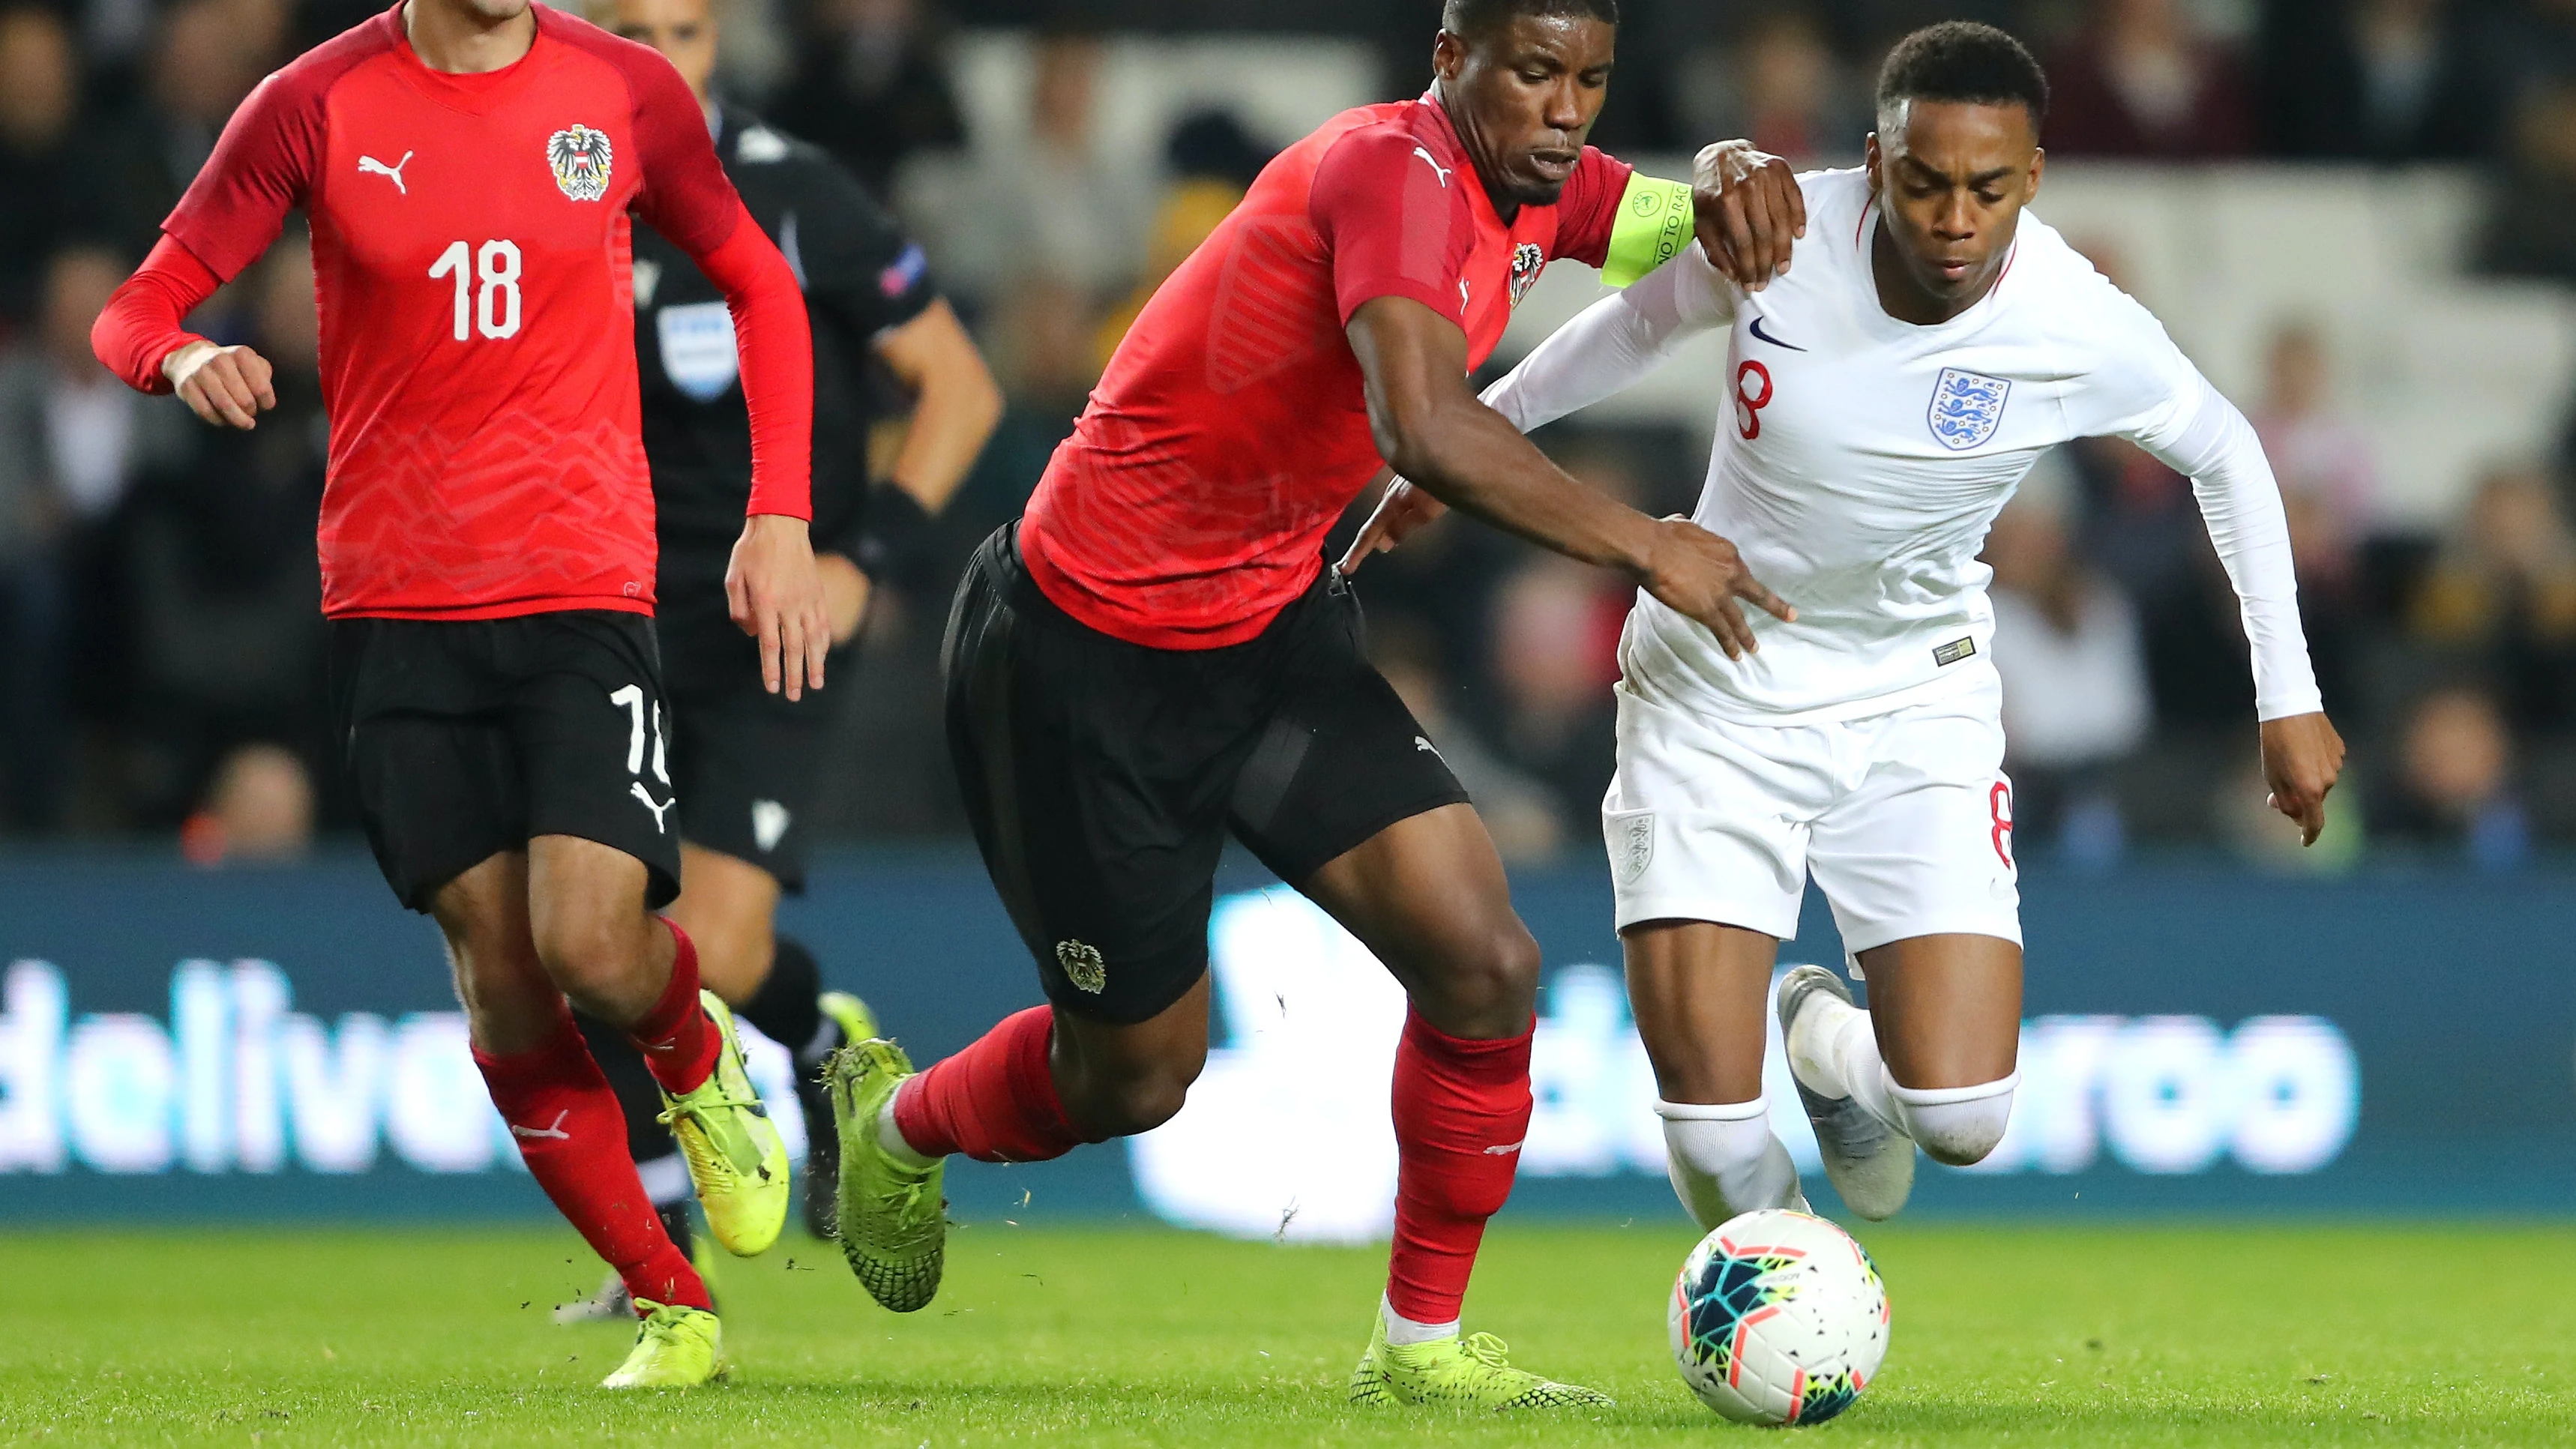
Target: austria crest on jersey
1966, 408
580, 158
1527, 262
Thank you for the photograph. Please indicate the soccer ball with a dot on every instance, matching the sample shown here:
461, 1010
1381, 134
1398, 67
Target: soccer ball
1778, 1318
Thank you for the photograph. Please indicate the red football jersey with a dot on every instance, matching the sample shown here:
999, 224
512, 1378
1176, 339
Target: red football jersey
470, 241
1231, 428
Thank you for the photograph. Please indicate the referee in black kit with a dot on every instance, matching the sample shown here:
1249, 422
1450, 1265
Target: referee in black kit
743, 761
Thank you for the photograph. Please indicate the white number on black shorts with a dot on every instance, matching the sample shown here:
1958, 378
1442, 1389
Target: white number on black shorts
631, 699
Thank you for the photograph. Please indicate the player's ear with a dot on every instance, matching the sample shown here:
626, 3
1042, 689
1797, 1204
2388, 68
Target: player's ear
2038, 164
1448, 54
1869, 160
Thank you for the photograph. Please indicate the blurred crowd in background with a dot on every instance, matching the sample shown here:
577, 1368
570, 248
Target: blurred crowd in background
160, 649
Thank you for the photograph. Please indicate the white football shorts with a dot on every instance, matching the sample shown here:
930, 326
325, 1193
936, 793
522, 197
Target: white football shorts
1905, 818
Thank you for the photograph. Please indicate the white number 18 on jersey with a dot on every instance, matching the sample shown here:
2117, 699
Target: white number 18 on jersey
494, 309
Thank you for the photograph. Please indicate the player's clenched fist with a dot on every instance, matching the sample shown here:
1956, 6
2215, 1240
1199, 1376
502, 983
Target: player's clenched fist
1701, 575
2302, 759
776, 596
227, 386
1750, 211
1399, 512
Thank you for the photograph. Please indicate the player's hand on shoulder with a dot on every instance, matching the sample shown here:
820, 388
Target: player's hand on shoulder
1400, 511
776, 596
227, 386
2302, 759
1750, 211
1700, 574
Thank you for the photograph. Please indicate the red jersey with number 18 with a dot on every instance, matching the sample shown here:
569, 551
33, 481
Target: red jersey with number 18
1230, 430
470, 245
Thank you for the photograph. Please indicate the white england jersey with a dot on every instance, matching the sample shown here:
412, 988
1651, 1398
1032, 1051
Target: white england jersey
1859, 460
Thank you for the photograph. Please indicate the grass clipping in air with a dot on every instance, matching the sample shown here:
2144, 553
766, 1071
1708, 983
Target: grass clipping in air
2003, 1335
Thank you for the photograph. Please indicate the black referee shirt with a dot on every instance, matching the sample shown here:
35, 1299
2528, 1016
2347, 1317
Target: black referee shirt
861, 275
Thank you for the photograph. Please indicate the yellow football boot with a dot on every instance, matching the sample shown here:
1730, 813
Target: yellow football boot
677, 1347
737, 1161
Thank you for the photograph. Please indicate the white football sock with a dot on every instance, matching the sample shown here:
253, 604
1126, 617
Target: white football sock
1402, 1330
1817, 1052
1956, 1125
1725, 1160
891, 1137
1862, 1071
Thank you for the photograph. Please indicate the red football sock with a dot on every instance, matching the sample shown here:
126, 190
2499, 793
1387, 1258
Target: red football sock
1461, 1110
678, 1042
995, 1101
565, 1118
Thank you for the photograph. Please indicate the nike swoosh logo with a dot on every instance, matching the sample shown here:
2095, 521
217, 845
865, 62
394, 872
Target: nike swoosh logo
552, 1129
1774, 341
1504, 1151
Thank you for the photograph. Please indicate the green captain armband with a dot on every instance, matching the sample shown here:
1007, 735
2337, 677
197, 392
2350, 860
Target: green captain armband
1654, 225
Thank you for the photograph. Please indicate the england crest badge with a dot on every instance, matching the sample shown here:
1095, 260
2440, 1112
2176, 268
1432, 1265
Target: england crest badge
1966, 408
580, 159
1632, 844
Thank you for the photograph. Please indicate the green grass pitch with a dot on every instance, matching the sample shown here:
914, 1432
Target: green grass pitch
2146, 1335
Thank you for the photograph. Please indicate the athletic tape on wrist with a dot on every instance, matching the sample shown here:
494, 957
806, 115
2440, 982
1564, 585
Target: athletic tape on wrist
1654, 224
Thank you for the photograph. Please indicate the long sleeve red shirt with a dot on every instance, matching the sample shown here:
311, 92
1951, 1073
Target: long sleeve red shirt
471, 257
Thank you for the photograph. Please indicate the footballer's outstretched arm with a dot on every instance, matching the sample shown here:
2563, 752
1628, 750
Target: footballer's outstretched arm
1606, 348
1435, 432
2212, 444
1613, 343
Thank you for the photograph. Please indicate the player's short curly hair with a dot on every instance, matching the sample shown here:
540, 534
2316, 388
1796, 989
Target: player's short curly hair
1961, 60
1480, 17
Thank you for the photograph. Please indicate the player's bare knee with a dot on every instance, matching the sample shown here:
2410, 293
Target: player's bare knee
1489, 991
598, 958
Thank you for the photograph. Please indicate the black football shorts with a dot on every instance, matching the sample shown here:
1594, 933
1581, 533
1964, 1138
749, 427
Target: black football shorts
1102, 777
466, 738
746, 762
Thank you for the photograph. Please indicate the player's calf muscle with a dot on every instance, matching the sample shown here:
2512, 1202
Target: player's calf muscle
1948, 1008
1117, 1081
1130, 1100
727, 906
1700, 992
510, 1003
